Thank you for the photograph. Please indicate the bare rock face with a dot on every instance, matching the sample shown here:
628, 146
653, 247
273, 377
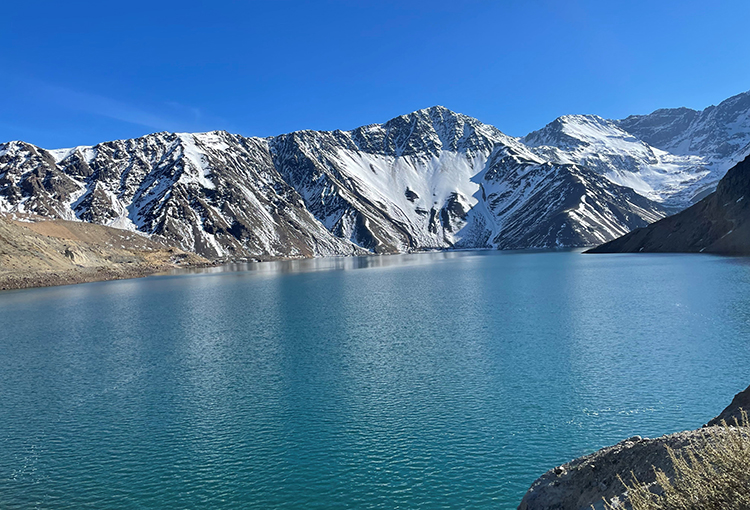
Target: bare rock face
584, 482
716, 132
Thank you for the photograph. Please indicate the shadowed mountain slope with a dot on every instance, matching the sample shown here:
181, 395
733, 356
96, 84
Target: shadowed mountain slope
720, 223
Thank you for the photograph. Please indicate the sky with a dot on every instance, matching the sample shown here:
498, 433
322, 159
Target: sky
79, 73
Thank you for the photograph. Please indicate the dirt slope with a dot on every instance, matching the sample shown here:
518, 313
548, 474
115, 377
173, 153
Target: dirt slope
38, 253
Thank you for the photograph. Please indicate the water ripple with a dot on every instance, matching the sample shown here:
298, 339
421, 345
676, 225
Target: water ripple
428, 381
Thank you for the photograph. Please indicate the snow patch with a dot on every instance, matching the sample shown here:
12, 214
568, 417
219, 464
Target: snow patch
201, 170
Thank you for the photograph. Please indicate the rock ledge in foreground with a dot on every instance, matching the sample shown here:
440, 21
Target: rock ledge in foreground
583, 482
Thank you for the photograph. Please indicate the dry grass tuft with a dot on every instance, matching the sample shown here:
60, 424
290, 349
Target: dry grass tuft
714, 474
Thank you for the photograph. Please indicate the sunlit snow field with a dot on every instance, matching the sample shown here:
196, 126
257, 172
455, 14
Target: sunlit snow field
444, 380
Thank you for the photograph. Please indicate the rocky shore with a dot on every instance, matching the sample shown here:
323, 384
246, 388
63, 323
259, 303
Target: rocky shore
584, 482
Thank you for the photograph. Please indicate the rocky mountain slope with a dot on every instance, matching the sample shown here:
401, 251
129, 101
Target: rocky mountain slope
213, 193
720, 223
718, 135
583, 482
529, 203
717, 132
604, 147
432, 179
36, 252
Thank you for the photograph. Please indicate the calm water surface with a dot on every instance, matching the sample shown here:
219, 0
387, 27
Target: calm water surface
446, 380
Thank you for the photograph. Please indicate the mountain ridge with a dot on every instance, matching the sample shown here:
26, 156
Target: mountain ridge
430, 179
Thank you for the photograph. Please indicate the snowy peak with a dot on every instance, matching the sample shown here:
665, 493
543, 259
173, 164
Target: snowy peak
571, 132
719, 132
606, 148
403, 185
427, 132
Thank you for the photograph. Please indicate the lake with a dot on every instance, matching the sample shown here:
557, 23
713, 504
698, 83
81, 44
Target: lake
439, 380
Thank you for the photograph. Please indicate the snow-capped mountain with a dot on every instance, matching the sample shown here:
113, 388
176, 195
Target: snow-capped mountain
672, 156
438, 179
406, 184
432, 179
604, 147
213, 193
718, 135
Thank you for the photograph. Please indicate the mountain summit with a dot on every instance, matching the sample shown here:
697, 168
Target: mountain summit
431, 179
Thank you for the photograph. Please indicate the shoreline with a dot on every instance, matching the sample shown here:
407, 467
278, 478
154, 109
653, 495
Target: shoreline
20, 280
39, 279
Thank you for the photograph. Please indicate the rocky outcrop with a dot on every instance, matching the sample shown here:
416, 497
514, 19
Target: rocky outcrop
720, 223
584, 482
733, 412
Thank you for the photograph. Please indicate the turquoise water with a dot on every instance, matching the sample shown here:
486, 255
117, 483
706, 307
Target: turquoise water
447, 380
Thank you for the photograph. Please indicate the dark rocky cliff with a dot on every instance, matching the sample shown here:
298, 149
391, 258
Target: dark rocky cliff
720, 223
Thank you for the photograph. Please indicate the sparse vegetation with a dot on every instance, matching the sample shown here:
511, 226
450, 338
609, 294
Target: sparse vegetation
712, 474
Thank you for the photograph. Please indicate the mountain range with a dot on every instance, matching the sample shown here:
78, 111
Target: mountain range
432, 179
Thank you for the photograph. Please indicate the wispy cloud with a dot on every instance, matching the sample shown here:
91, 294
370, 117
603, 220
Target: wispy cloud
195, 114
56, 115
165, 116
103, 106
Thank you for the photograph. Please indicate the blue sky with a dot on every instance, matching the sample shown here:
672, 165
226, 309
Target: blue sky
78, 73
